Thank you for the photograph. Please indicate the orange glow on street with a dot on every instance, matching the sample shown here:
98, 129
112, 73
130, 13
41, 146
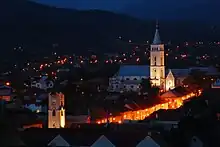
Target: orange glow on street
173, 103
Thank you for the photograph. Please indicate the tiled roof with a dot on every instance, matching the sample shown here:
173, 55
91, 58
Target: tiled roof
180, 72
156, 40
134, 70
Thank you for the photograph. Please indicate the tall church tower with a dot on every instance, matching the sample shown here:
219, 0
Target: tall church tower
56, 111
157, 67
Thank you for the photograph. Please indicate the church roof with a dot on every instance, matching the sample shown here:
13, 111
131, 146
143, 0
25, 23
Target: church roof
156, 40
180, 72
134, 70
185, 72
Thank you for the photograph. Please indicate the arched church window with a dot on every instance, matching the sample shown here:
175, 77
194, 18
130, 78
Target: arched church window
61, 113
54, 113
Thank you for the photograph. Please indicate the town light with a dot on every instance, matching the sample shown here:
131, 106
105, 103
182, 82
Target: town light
7, 83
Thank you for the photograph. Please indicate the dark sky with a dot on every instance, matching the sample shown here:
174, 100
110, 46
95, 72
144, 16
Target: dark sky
162, 9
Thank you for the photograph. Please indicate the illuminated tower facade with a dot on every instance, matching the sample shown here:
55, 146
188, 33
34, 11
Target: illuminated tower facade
56, 111
157, 67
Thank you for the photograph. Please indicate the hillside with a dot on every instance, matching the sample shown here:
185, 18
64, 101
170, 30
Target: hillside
37, 27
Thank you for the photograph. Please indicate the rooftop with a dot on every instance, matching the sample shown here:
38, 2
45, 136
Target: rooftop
134, 70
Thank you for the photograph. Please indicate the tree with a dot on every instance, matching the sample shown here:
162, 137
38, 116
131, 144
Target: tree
147, 87
197, 78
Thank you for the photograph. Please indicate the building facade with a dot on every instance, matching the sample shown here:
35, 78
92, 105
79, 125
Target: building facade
42, 83
157, 65
56, 111
128, 78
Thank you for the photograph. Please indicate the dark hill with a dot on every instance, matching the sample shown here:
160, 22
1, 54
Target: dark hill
36, 27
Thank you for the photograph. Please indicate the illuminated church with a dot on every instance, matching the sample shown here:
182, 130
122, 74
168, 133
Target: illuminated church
129, 77
56, 111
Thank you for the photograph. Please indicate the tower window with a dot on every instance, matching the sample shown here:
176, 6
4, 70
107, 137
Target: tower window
155, 60
61, 113
155, 70
161, 61
54, 113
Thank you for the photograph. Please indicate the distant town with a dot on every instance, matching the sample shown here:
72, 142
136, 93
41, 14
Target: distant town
159, 93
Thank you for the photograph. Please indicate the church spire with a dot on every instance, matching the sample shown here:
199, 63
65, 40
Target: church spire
157, 40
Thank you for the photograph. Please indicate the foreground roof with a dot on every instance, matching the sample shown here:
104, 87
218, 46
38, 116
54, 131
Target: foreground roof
85, 137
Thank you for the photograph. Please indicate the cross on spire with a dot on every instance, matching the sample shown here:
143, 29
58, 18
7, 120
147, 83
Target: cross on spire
157, 40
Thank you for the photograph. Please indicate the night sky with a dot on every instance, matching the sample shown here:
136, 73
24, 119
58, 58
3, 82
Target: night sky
162, 9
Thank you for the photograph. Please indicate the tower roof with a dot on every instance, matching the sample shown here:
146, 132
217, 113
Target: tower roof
157, 40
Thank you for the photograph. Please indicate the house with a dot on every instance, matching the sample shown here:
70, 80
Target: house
177, 92
42, 83
34, 107
175, 77
90, 137
148, 141
58, 141
196, 142
166, 119
5, 93
102, 141
216, 84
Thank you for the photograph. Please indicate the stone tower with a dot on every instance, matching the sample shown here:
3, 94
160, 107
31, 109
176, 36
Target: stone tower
56, 111
157, 67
